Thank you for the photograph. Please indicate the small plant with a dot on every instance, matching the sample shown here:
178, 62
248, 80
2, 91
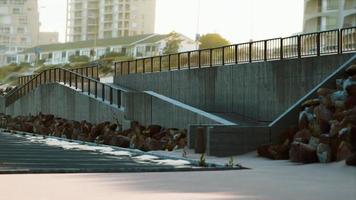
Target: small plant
202, 162
184, 153
231, 162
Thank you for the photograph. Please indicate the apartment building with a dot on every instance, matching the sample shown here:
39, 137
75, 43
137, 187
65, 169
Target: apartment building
102, 19
19, 27
137, 46
322, 15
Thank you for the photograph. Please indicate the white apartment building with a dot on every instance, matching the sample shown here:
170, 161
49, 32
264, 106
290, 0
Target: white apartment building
134, 46
19, 27
101, 19
320, 15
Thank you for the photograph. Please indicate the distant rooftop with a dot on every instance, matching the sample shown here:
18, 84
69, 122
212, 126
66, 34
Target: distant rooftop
122, 41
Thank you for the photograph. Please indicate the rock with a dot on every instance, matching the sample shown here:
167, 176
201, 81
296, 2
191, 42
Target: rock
137, 142
152, 130
324, 153
304, 153
343, 152
153, 144
27, 127
120, 141
302, 136
351, 160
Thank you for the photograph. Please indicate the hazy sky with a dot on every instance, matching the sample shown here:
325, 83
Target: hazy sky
236, 20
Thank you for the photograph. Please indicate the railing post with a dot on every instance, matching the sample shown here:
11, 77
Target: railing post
188, 60
236, 53
103, 91
160, 63
111, 95
151, 64
45, 77
281, 49
59, 75
199, 58
265, 50
115, 68
178, 61
223, 55
136, 66
96, 89
169, 62
121, 68
86, 71
88, 86
211, 57
340, 40
82, 85
318, 44
299, 46
250, 52
128, 67
76, 81
70, 79
118, 98
143, 66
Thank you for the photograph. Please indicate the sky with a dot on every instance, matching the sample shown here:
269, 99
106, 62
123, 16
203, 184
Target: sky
236, 20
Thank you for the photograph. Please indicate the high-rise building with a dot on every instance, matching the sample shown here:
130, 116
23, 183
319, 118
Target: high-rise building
101, 19
19, 27
322, 15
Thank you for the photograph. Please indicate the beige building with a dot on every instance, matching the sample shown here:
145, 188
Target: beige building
101, 19
48, 38
322, 15
19, 27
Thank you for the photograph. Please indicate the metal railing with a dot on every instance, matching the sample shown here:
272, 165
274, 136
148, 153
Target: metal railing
337, 41
85, 84
89, 71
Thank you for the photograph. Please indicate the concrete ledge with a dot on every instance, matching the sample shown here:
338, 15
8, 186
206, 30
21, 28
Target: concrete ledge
223, 140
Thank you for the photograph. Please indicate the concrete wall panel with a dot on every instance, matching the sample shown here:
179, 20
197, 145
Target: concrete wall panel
260, 91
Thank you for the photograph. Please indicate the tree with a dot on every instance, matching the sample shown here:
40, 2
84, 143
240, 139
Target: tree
173, 43
75, 59
212, 40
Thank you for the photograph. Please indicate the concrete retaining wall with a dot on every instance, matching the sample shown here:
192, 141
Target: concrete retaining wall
147, 109
64, 102
261, 91
150, 109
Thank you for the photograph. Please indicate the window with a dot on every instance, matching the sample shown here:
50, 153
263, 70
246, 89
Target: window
20, 30
330, 23
332, 4
16, 11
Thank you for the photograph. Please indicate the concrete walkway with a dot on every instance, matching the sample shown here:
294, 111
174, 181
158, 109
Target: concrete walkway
267, 180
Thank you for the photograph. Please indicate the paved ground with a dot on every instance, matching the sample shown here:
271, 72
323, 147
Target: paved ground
20, 155
266, 180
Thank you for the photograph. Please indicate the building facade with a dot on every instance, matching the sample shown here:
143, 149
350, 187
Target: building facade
320, 15
19, 27
132, 46
102, 19
48, 38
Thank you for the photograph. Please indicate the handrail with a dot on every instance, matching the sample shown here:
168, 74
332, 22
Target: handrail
88, 85
335, 41
89, 71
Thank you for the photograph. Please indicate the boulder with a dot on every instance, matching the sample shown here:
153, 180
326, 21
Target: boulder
120, 141
303, 153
